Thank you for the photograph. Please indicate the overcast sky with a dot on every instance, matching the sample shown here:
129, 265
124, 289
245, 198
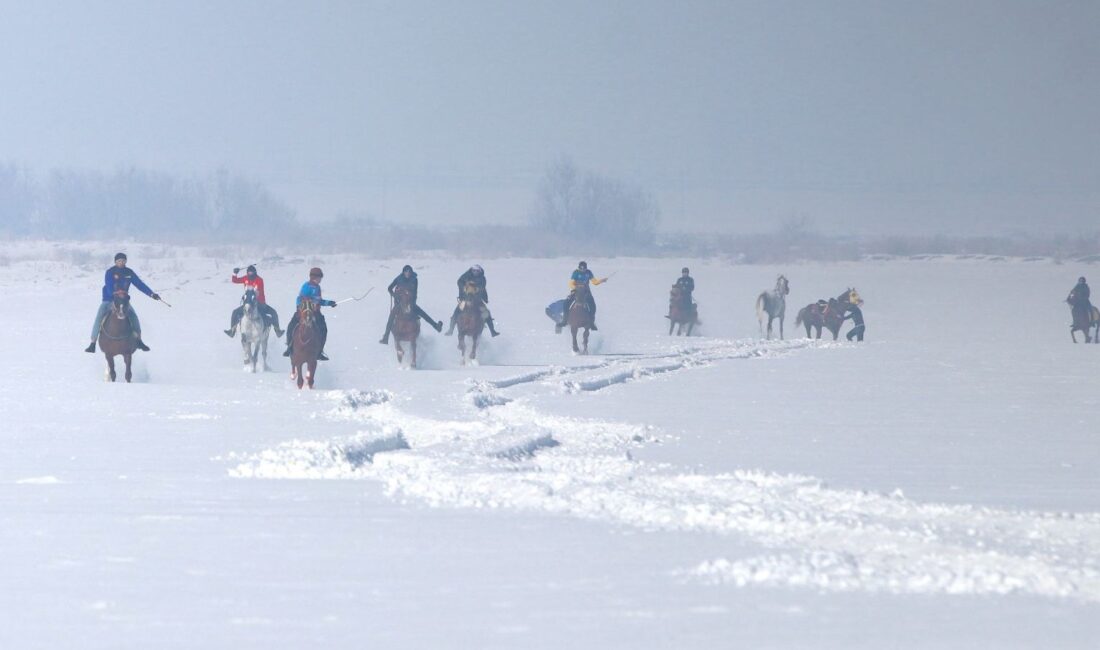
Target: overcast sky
863, 116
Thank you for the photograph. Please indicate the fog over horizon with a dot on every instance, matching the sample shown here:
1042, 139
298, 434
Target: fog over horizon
861, 117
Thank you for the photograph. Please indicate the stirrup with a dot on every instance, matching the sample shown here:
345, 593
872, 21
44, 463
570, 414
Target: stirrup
90, 348
287, 353
229, 332
385, 340
141, 346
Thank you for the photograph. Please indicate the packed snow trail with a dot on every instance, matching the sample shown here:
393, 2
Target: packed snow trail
506, 454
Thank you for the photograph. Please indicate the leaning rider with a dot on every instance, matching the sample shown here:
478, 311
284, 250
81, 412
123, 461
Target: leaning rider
252, 280
408, 280
117, 281
1080, 294
686, 284
310, 291
475, 275
582, 276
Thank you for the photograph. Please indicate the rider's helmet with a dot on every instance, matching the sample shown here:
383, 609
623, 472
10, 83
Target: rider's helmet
582, 266
120, 256
315, 272
685, 270
407, 269
251, 270
1081, 280
476, 268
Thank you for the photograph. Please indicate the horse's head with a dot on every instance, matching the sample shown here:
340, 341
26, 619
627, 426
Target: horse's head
675, 294
119, 301
402, 296
470, 289
306, 310
851, 296
781, 286
582, 292
249, 299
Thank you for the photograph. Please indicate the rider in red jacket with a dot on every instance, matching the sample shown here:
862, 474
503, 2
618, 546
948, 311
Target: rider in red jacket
252, 280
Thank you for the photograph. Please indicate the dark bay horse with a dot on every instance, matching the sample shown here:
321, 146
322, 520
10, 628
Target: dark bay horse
406, 324
773, 304
117, 336
829, 315
681, 314
1086, 318
306, 346
471, 321
580, 316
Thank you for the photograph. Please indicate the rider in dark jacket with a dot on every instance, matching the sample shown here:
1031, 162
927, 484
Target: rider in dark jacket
476, 275
581, 276
1079, 294
408, 280
119, 278
686, 284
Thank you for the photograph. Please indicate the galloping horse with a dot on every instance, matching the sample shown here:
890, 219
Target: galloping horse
580, 316
681, 314
774, 304
306, 346
254, 331
406, 324
829, 315
1084, 319
471, 321
117, 336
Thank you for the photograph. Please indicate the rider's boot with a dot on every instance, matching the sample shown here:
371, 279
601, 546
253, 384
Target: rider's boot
321, 356
492, 328
451, 328
91, 347
231, 332
287, 353
594, 328
279, 332
385, 340
141, 344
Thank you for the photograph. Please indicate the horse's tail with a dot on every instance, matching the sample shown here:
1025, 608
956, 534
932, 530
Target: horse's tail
798, 319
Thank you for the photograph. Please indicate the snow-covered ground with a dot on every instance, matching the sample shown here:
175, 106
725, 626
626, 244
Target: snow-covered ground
936, 486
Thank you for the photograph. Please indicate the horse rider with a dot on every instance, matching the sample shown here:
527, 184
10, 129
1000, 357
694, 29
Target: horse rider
476, 275
582, 276
686, 284
118, 279
310, 291
1079, 294
252, 280
853, 312
408, 280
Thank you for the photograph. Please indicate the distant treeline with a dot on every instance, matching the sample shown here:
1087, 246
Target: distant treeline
574, 213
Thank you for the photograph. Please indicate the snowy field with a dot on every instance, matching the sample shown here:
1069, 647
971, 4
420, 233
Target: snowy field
935, 487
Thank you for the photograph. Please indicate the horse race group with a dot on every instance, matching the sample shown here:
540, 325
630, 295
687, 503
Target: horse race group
118, 330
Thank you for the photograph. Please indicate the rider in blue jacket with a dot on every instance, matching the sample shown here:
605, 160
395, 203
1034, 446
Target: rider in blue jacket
310, 291
118, 279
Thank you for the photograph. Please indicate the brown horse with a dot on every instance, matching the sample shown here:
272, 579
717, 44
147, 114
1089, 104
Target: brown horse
306, 346
681, 314
829, 315
580, 316
406, 324
471, 321
117, 336
1086, 318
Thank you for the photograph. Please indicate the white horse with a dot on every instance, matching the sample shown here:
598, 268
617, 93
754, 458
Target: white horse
254, 332
774, 304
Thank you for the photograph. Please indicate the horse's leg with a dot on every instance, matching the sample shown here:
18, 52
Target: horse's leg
462, 347
111, 366
400, 352
1072, 335
412, 359
312, 372
691, 327
671, 325
586, 331
780, 328
263, 350
128, 358
473, 347
576, 349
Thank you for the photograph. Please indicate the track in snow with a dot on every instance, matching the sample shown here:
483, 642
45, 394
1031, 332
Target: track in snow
508, 455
